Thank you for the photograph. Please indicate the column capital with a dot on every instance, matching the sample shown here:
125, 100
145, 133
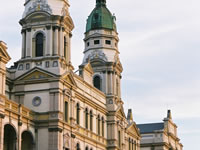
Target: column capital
23, 31
48, 27
56, 27
29, 29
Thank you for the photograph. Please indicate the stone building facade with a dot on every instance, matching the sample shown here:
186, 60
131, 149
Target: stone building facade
160, 136
44, 105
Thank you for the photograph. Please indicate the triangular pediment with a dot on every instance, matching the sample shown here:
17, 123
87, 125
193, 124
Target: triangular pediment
3, 52
120, 111
88, 68
68, 77
132, 129
36, 74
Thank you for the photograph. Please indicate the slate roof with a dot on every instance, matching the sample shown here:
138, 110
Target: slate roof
150, 128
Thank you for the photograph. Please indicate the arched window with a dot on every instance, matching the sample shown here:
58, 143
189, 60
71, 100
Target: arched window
98, 124
65, 47
91, 121
10, 138
77, 113
66, 111
119, 139
97, 82
77, 146
39, 44
86, 118
102, 126
27, 141
86, 148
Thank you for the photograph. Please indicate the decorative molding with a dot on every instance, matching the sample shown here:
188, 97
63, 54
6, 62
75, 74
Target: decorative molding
39, 5
96, 55
64, 10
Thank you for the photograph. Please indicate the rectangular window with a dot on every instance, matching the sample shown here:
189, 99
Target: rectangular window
96, 42
47, 64
88, 43
108, 42
66, 111
27, 66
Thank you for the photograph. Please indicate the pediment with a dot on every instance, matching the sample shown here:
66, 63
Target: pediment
68, 77
3, 52
88, 68
132, 129
120, 111
36, 74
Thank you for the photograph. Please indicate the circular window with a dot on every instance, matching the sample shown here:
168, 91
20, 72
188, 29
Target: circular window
37, 101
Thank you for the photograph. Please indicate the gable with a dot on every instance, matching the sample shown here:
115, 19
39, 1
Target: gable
120, 111
68, 77
88, 68
133, 130
36, 73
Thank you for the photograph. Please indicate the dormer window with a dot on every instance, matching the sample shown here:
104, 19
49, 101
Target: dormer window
39, 44
96, 42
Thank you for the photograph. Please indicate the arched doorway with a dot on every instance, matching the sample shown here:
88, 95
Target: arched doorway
10, 138
27, 141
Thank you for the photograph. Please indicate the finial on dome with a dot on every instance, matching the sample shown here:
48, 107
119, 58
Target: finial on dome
100, 2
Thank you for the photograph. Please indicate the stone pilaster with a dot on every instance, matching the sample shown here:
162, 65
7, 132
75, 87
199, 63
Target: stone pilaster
23, 55
55, 47
28, 42
61, 43
49, 41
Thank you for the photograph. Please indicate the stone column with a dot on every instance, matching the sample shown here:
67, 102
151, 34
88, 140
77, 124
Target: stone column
48, 51
55, 49
19, 136
23, 55
61, 43
28, 42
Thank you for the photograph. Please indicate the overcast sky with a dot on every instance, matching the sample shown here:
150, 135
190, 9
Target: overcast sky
160, 54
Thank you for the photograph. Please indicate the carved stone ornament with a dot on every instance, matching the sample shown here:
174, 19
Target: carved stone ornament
39, 5
67, 140
65, 11
36, 101
97, 55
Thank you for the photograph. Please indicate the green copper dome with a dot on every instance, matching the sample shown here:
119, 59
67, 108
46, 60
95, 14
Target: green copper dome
101, 17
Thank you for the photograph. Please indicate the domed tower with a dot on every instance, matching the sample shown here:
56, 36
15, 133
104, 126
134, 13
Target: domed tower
46, 33
101, 51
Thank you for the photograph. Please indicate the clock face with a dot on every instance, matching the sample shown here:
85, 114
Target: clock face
36, 101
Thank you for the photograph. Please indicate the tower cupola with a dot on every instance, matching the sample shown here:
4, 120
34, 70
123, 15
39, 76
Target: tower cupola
101, 51
101, 18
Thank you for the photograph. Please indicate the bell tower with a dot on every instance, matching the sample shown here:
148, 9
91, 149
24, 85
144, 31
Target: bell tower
46, 34
101, 52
